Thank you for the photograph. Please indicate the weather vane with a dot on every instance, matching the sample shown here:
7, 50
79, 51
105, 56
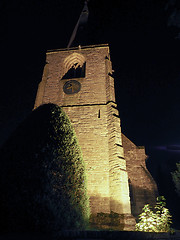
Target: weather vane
80, 23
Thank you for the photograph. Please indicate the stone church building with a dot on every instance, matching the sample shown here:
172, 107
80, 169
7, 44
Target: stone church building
81, 81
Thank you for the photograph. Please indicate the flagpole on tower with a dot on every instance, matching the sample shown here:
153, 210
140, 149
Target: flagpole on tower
81, 22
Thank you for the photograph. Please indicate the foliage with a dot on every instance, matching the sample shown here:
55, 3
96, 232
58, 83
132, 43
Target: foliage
176, 178
42, 175
157, 219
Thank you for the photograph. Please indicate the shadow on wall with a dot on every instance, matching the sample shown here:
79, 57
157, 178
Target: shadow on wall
140, 197
110, 220
142, 190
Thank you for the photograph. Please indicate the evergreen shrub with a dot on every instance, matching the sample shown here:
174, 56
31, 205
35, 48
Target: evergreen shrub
157, 219
42, 175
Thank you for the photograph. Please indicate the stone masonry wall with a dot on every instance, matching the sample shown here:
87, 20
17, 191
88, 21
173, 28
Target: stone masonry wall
87, 111
115, 166
93, 138
119, 188
94, 116
143, 189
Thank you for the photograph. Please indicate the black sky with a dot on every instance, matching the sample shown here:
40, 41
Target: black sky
144, 51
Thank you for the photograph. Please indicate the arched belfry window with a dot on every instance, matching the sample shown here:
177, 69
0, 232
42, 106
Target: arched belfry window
75, 66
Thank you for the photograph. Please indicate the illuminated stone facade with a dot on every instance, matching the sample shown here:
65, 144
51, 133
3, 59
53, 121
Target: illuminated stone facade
143, 188
80, 80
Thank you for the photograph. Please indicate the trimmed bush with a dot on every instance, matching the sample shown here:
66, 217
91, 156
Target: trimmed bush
42, 175
157, 219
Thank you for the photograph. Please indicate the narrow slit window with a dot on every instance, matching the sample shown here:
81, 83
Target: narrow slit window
99, 114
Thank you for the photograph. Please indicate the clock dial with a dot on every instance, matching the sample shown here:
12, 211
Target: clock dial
71, 87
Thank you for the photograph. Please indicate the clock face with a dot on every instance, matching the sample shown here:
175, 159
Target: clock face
71, 87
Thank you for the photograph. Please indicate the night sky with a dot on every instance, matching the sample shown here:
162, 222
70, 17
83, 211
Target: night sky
144, 51
144, 43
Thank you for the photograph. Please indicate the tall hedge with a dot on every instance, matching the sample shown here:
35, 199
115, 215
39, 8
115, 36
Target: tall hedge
42, 175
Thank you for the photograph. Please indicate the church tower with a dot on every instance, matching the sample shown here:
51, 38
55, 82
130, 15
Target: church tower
81, 81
